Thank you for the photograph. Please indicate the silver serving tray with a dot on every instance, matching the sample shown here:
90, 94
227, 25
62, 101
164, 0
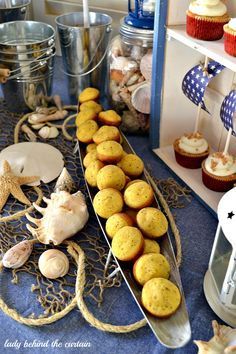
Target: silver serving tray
175, 331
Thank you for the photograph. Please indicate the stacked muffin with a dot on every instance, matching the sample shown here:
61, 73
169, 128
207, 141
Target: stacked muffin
126, 202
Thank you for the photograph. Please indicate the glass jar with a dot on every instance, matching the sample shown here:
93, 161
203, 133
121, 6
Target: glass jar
130, 71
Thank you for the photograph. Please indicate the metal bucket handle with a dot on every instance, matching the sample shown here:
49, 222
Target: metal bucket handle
31, 70
109, 31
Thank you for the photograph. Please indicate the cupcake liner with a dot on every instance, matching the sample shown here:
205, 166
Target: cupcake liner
230, 43
204, 28
188, 160
217, 183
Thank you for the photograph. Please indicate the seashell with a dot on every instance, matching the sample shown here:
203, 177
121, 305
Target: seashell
124, 64
37, 118
223, 342
146, 66
37, 126
136, 52
64, 182
53, 264
63, 217
141, 98
116, 48
31, 135
43, 110
133, 79
48, 132
16, 256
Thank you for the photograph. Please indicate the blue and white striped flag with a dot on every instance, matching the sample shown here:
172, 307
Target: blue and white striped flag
195, 82
227, 111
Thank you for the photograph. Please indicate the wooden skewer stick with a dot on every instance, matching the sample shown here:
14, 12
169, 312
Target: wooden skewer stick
227, 141
205, 72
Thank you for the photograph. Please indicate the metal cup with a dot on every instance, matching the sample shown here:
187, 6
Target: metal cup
13, 10
84, 51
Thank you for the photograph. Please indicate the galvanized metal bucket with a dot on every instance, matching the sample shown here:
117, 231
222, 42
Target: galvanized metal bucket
84, 51
29, 55
13, 10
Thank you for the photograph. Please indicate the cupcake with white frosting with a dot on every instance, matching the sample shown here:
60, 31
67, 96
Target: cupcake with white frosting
206, 19
230, 37
219, 172
191, 150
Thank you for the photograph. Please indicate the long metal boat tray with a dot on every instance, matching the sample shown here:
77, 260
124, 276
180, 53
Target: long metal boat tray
174, 331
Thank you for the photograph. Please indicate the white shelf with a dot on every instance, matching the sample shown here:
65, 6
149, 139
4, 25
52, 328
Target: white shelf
193, 178
212, 49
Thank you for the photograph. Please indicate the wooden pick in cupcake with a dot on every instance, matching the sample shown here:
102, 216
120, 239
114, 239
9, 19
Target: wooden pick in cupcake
10, 184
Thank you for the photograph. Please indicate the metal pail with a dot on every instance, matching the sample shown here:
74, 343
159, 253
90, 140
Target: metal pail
27, 49
13, 10
84, 51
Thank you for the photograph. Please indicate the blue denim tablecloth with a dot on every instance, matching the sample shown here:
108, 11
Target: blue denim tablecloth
197, 226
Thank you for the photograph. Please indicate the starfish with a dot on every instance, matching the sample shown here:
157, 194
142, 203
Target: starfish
10, 184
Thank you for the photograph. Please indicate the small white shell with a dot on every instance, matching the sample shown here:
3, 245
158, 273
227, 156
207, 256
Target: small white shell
48, 132
146, 66
124, 64
37, 126
53, 264
141, 98
16, 256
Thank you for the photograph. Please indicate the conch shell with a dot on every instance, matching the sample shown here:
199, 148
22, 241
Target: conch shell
16, 256
64, 182
64, 216
223, 342
53, 264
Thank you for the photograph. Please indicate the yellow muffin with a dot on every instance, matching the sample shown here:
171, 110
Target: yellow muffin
132, 181
86, 131
107, 202
90, 157
111, 176
132, 165
92, 171
109, 117
151, 265
151, 246
160, 297
91, 147
152, 222
138, 195
83, 116
109, 151
97, 108
116, 222
105, 133
127, 243
89, 94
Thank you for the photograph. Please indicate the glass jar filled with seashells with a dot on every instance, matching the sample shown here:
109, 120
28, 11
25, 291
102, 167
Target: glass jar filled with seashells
130, 71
